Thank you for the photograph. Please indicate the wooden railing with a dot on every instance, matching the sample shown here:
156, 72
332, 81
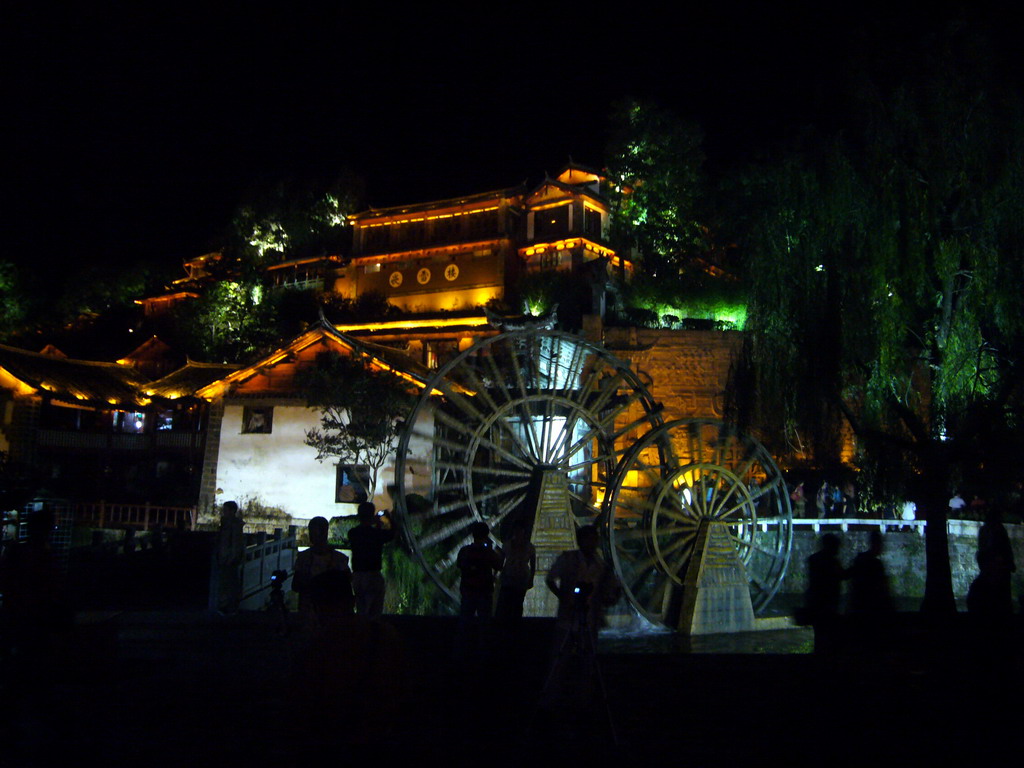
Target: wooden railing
102, 514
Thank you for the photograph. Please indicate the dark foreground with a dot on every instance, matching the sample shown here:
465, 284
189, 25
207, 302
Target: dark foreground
189, 687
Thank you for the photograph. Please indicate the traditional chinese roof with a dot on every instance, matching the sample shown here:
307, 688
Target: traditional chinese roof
453, 202
83, 382
274, 374
189, 379
577, 174
553, 189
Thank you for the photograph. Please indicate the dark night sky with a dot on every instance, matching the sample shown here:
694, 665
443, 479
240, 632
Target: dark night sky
135, 132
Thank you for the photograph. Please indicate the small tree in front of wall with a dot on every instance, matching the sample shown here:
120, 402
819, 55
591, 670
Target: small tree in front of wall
361, 411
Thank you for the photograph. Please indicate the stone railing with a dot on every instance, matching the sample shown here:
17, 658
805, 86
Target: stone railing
263, 555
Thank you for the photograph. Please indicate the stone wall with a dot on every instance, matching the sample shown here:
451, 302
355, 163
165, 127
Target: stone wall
686, 371
904, 558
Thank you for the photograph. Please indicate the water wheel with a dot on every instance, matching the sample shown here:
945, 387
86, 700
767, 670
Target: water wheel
524, 426
677, 476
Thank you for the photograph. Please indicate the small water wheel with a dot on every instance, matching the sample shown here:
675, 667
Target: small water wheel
678, 476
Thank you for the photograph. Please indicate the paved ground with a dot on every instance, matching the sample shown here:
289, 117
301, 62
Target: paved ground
188, 687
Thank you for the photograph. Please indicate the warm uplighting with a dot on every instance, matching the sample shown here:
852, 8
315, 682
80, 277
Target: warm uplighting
16, 385
446, 322
391, 221
558, 245
459, 249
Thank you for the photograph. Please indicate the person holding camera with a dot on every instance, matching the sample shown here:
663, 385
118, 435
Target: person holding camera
478, 563
582, 583
367, 542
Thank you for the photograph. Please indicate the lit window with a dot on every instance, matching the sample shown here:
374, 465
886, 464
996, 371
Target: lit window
353, 482
257, 420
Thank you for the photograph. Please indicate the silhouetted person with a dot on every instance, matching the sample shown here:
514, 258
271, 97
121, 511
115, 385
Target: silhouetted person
34, 609
825, 576
869, 584
989, 596
230, 558
580, 580
573, 702
319, 558
366, 541
516, 574
33, 599
478, 562
870, 606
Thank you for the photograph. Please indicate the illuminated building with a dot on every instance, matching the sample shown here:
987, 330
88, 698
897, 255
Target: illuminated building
95, 430
464, 252
454, 255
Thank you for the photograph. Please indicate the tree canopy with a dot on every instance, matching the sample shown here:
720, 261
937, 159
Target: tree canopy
884, 267
361, 411
660, 214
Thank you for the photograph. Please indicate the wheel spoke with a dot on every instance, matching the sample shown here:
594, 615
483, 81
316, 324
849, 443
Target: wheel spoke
444, 532
484, 441
449, 560
502, 471
479, 386
751, 544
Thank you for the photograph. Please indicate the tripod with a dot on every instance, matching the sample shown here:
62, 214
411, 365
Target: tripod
575, 686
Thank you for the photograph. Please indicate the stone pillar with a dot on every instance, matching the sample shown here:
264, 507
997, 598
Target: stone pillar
554, 532
716, 595
208, 482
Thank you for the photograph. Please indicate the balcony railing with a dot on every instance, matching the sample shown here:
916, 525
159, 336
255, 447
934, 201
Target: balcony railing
60, 438
103, 514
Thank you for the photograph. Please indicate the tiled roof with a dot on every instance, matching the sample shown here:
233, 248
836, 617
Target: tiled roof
189, 378
75, 381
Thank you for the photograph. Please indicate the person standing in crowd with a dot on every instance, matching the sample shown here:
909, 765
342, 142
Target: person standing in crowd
516, 574
583, 585
319, 558
230, 558
366, 542
870, 597
478, 562
825, 575
989, 596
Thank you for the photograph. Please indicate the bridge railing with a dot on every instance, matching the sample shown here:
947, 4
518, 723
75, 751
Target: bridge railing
263, 555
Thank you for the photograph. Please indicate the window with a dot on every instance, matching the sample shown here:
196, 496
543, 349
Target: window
131, 422
257, 420
353, 482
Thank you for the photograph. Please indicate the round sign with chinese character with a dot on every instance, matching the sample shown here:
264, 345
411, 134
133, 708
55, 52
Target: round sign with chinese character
395, 279
451, 272
423, 276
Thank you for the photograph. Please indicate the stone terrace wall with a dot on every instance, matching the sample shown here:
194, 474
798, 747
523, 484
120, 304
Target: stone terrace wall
687, 371
904, 558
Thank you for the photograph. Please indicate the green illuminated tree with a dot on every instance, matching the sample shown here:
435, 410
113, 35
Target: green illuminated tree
654, 166
885, 268
361, 411
658, 200
12, 302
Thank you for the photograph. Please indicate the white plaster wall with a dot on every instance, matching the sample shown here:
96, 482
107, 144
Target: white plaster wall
277, 469
280, 470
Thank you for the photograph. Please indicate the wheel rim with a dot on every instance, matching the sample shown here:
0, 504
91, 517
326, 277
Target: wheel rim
497, 416
679, 475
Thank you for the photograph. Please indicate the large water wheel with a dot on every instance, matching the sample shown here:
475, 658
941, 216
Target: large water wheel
552, 430
527, 425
